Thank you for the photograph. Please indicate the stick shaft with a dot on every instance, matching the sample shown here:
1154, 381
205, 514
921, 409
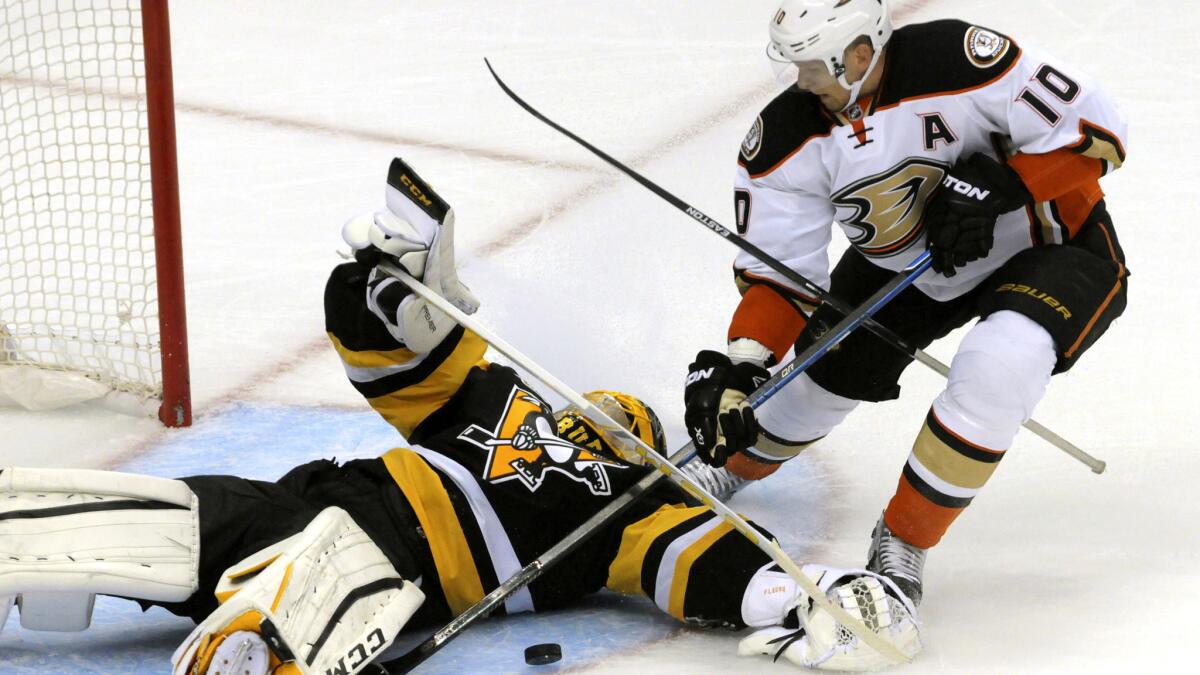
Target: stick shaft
883, 332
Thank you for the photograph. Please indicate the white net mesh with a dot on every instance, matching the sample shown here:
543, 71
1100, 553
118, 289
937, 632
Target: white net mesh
868, 604
866, 601
77, 277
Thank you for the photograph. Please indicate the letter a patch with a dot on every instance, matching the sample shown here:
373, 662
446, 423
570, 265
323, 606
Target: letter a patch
934, 130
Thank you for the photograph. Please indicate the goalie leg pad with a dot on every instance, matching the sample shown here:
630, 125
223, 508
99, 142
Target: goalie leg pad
69, 534
6, 603
323, 600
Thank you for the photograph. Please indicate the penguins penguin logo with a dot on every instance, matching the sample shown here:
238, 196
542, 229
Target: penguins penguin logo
525, 446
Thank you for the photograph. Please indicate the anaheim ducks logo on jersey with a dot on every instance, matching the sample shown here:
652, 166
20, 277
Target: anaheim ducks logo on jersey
985, 47
754, 140
888, 207
525, 446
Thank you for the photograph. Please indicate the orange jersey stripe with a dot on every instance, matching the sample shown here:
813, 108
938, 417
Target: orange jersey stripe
768, 317
1056, 174
1069, 179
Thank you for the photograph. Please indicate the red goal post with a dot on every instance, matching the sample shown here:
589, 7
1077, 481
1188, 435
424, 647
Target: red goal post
91, 267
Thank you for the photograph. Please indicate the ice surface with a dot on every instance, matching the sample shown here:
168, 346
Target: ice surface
289, 114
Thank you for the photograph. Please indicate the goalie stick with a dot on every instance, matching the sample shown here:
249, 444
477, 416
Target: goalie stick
883, 332
527, 574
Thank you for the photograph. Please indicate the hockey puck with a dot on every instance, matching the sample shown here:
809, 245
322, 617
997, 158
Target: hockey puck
540, 655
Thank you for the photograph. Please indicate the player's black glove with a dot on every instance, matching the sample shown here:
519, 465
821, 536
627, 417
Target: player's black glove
718, 418
961, 217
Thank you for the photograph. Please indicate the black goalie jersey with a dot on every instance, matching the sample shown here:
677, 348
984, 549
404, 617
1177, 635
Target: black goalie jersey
490, 487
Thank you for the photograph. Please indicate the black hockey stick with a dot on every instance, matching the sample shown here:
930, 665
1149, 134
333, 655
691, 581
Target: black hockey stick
883, 332
617, 506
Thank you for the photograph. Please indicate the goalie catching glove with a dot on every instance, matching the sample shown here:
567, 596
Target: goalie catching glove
819, 641
417, 232
718, 417
325, 600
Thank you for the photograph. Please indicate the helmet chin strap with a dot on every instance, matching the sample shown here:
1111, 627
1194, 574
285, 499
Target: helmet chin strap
857, 86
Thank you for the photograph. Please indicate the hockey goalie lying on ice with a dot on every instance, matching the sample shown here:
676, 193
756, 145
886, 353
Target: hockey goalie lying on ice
320, 570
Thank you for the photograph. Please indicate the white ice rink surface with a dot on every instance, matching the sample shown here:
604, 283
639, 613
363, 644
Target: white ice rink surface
289, 113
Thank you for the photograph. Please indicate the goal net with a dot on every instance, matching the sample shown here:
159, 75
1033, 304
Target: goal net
91, 293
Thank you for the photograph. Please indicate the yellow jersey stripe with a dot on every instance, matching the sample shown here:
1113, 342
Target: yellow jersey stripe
683, 566
371, 359
407, 407
625, 572
423, 489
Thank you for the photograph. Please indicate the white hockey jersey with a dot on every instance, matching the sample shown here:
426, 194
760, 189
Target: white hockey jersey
948, 90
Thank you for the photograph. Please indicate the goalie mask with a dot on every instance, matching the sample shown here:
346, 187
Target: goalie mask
628, 411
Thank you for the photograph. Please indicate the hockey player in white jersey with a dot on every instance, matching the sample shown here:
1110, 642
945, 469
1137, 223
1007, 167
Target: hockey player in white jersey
941, 135
317, 572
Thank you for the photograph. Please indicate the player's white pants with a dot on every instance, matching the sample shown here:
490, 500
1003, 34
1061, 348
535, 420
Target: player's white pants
997, 378
69, 534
